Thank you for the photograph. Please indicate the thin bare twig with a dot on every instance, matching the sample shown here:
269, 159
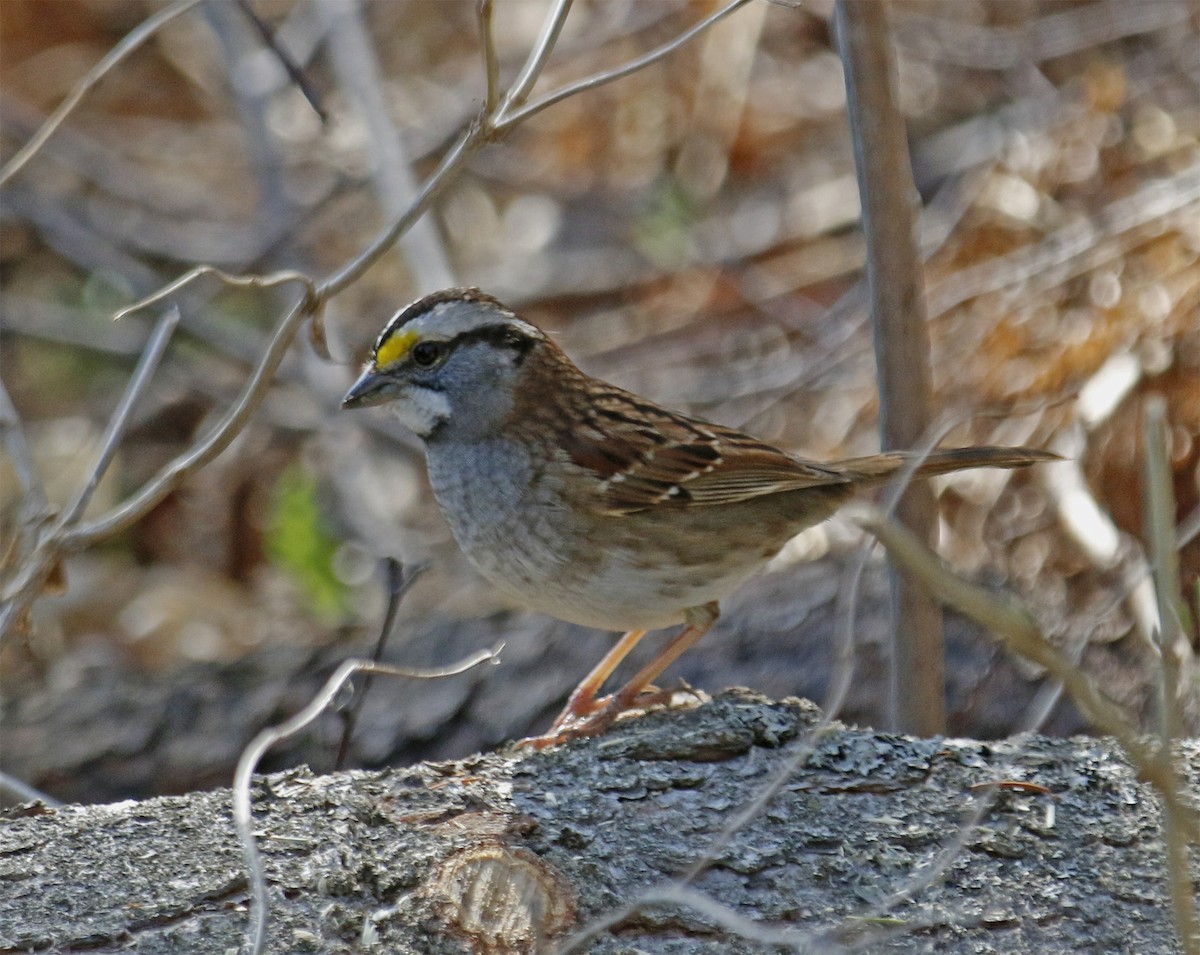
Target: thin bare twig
491, 66
831, 706
67, 537
155, 348
26, 793
1159, 501
535, 63
51, 540
356, 66
291, 67
826, 941
489, 127
73, 538
130, 42
398, 584
672, 893
478, 134
468, 144
171, 476
608, 76
1188, 529
243, 815
32, 492
236, 281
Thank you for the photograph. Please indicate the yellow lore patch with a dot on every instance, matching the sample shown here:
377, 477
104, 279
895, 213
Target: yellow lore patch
395, 347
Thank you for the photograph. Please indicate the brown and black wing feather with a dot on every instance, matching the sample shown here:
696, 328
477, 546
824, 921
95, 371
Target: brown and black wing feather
648, 457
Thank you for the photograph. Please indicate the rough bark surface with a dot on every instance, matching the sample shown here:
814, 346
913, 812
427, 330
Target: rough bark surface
514, 853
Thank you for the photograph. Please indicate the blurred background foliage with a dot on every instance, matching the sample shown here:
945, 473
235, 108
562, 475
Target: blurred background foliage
690, 231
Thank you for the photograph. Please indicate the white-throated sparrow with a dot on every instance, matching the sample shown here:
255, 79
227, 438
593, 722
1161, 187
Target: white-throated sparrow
589, 503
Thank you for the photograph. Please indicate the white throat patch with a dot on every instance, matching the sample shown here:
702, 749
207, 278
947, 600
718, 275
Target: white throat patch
421, 410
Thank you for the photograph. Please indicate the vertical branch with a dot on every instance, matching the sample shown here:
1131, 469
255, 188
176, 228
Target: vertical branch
491, 66
398, 584
916, 701
1159, 500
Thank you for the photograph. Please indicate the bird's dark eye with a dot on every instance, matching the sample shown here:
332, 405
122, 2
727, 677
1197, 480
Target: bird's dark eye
426, 354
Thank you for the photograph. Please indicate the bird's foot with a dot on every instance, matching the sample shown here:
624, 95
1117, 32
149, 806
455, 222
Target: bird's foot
577, 723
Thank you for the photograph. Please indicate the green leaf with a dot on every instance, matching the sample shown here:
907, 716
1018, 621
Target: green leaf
300, 543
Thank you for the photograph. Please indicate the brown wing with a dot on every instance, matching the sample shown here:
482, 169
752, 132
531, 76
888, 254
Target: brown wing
648, 457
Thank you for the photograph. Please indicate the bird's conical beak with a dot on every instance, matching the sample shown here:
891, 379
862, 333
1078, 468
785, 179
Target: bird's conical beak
372, 388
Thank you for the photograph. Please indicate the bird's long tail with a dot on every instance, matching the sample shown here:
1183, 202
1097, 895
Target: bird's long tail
880, 468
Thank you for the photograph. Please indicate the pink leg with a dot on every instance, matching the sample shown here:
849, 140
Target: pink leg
700, 621
582, 701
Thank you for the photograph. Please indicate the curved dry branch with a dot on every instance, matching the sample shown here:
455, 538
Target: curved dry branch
170, 477
509, 120
243, 815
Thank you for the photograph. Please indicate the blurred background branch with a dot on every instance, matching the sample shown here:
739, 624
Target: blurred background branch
895, 277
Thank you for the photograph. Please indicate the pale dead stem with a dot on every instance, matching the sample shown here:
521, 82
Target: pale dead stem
52, 535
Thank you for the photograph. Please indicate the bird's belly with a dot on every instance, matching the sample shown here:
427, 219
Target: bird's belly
627, 572
630, 579
617, 592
